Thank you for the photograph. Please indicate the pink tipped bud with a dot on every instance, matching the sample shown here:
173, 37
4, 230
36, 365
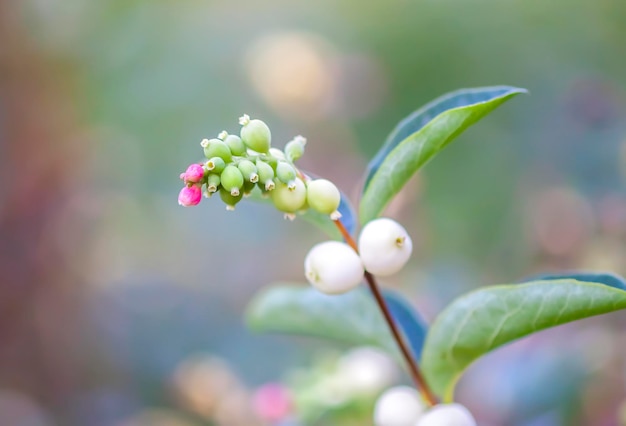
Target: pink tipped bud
190, 196
194, 173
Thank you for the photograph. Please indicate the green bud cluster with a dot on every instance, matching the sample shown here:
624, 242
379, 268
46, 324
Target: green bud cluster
236, 165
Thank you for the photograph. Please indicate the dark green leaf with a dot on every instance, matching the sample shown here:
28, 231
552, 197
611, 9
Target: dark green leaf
485, 319
422, 135
606, 278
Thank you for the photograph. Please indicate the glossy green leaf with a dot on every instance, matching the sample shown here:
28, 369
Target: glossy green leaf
422, 135
485, 319
351, 318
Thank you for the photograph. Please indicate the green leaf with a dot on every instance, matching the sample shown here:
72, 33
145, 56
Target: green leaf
351, 318
606, 278
485, 319
422, 135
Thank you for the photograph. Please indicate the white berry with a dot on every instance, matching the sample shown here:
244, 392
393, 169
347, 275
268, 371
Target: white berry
447, 415
385, 246
399, 406
333, 267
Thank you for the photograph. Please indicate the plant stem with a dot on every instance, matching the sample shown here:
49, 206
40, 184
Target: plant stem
414, 369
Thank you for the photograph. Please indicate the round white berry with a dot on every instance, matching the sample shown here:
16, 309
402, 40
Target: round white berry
399, 406
333, 267
447, 415
384, 246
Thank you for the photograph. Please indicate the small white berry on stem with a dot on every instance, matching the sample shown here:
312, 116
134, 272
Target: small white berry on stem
333, 267
384, 246
398, 406
447, 415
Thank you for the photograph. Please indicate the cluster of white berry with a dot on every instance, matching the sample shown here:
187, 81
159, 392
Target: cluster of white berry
334, 268
402, 406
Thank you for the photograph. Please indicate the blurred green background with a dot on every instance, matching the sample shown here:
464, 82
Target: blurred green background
110, 292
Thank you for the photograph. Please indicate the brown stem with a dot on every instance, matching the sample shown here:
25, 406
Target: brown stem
414, 369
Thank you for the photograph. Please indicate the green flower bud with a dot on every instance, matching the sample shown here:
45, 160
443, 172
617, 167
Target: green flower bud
236, 145
213, 183
323, 196
232, 180
248, 187
285, 172
289, 200
215, 165
266, 174
265, 193
295, 148
271, 160
248, 170
255, 134
229, 199
216, 148
277, 154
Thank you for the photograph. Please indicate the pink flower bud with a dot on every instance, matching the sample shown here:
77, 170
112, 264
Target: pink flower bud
190, 196
194, 173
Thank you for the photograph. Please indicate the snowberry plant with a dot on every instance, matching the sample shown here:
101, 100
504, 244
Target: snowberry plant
334, 306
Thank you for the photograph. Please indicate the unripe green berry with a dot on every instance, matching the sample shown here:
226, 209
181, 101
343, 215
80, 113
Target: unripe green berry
384, 246
265, 171
248, 170
266, 175
295, 148
285, 172
232, 179
215, 165
229, 199
216, 148
323, 196
398, 406
213, 183
333, 267
255, 134
277, 154
447, 415
269, 185
271, 160
289, 200
236, 145
248, 187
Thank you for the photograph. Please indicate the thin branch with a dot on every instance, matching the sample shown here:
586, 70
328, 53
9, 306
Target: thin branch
414, 369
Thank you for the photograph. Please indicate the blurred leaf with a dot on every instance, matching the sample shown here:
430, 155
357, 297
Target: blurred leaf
606, 278
483, 320
420, 136
351, 318
406, 317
